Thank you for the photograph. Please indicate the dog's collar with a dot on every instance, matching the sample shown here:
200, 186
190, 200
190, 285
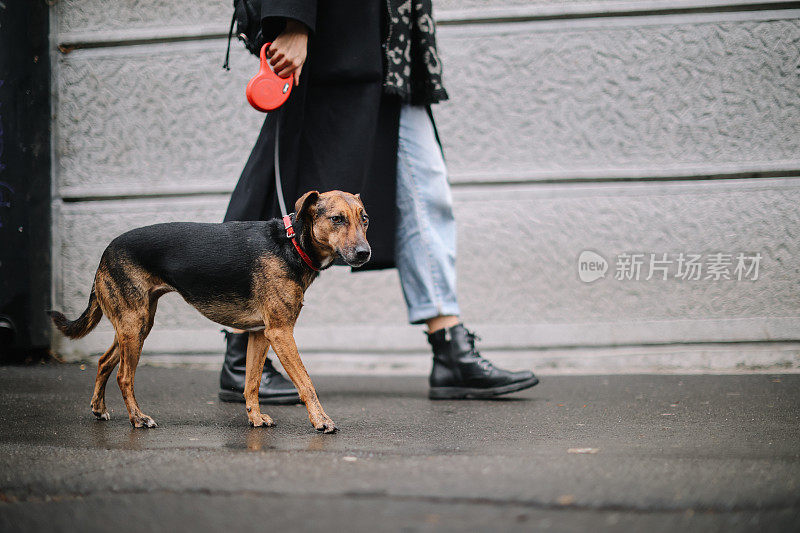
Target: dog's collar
287, 223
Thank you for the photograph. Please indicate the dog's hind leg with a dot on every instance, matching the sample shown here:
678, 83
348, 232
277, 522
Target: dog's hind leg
257, 346
104, 368
130, 345
132, 330
128, 296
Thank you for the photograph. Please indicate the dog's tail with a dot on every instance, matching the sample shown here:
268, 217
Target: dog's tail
75, 329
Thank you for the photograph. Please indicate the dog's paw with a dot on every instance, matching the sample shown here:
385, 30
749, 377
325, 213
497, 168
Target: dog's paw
101, 415
259, 420
99, 409
326, 426
143, 421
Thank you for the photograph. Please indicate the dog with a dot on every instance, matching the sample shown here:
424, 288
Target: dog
244, 275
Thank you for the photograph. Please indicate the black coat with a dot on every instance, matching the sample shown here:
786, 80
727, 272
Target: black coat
338, 128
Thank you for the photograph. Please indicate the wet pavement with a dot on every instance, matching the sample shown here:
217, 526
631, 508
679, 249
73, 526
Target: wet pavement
576, 453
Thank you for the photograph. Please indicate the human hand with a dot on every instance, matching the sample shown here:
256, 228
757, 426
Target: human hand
287, 52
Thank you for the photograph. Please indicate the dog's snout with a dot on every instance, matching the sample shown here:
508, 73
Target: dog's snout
362, 254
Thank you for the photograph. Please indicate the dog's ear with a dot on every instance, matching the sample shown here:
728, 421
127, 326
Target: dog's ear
304, 203
358, 197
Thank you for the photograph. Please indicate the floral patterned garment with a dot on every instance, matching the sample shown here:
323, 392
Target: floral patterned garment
413, 67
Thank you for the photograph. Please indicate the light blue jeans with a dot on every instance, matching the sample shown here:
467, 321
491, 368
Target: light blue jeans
425, 251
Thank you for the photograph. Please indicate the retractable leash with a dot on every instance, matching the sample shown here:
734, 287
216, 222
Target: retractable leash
266, 92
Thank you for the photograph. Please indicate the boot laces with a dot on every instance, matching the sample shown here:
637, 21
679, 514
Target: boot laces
482, 362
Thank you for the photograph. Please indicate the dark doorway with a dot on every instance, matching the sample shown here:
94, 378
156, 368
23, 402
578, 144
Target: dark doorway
24, 179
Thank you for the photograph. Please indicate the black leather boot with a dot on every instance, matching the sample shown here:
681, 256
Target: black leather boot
459, 371
274, 388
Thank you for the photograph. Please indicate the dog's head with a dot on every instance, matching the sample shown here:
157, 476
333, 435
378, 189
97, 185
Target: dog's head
338, 225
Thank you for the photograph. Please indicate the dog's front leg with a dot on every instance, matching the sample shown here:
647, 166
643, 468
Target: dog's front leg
282, 340
257, 345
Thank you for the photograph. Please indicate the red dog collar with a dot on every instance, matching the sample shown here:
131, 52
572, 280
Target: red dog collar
287, 223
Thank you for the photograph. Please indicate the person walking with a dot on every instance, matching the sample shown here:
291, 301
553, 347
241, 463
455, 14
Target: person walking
359, 120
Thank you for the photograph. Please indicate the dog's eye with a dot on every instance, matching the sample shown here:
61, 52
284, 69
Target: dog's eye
337, 219
364, 219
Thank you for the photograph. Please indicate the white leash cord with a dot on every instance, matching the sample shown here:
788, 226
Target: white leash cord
278, 186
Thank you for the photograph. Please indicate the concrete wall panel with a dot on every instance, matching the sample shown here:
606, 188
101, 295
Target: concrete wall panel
527, 242
650, 97
153, 118
93, 15
78, 16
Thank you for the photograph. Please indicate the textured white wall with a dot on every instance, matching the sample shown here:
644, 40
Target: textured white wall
543, 114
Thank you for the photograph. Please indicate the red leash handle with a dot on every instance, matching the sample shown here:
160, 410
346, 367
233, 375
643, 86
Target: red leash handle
267, 91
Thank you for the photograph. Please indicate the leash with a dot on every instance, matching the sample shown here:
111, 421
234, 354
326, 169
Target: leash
287, 219
278, 186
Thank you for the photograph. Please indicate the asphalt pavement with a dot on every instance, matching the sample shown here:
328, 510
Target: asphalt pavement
576, 453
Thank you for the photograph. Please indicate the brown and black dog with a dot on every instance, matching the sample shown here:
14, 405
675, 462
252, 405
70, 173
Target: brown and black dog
244, 275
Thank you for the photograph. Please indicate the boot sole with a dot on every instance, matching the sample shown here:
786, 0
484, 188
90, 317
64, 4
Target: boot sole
238, 397
466, 393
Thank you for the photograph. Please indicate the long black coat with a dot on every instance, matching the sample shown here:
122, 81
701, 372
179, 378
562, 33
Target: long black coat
338, 128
